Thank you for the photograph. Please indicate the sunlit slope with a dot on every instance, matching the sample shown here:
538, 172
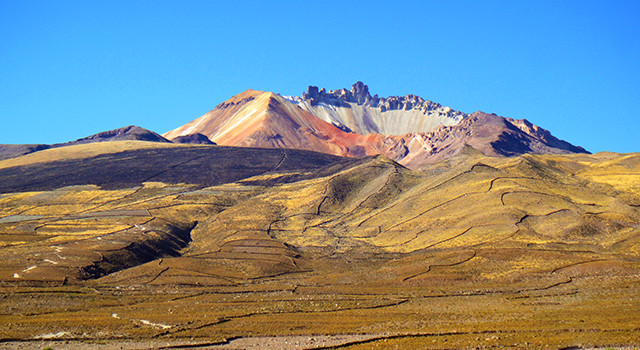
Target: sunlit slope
481, 201
508, 217
529, 252
356, 110
82, 151
264, 119
85, 211
127, 133
620, 172
276, 218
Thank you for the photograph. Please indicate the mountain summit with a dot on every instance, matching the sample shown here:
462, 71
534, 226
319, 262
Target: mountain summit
408, 129
357, 111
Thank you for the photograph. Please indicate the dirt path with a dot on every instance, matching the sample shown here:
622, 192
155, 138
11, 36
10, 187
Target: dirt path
291, 342
249, 343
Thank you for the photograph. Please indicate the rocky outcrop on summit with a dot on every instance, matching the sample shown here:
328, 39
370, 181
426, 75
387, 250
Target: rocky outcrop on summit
357, 111
359, 94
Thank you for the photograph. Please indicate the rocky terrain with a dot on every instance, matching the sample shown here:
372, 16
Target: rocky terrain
133, 242
357, 111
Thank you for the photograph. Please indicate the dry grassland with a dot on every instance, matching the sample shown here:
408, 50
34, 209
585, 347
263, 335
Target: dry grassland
527, 252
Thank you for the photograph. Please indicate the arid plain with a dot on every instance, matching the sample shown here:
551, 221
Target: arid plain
318, 251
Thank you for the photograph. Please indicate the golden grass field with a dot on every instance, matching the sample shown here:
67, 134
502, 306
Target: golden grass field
524, 252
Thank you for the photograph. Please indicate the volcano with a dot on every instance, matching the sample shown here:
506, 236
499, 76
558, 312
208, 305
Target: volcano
409, 129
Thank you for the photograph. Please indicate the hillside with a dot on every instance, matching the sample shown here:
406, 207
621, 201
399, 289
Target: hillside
127, 133
516, 251
124, 164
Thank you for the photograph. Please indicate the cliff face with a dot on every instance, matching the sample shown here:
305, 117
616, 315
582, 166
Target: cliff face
357, 111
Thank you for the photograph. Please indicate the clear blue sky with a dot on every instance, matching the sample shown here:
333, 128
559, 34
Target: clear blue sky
71, 69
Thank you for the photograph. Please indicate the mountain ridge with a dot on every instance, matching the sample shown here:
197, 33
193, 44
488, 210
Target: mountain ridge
355, 110
409, 129
343, 122
127, 133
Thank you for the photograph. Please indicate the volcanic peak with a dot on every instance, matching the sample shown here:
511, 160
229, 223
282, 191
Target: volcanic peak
264, 119
344, 123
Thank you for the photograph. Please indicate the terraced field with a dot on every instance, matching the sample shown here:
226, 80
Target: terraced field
525, 252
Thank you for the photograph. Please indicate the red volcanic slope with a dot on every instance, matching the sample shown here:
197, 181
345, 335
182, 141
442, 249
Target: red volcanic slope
264, 119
